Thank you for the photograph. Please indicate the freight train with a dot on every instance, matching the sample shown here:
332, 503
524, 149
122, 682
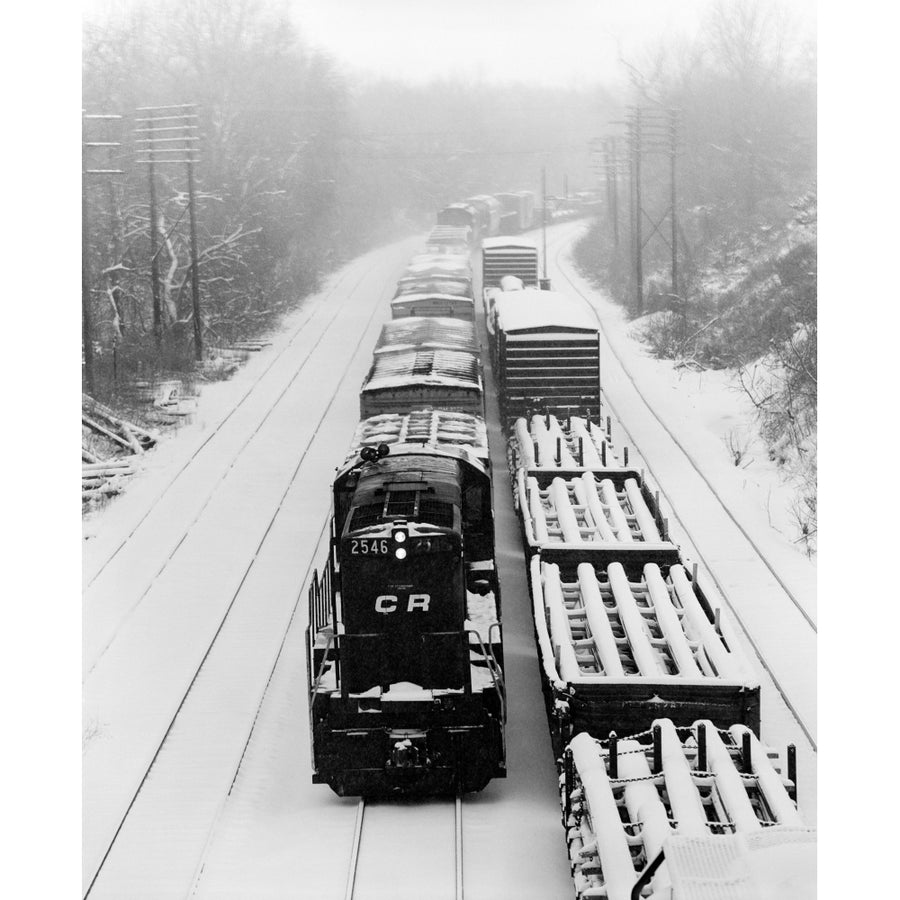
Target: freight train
653, 712
405, 653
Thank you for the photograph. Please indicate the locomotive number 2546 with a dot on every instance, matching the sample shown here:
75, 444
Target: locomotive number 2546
369, 546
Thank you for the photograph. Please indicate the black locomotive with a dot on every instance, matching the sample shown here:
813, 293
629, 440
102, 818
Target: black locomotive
407, 691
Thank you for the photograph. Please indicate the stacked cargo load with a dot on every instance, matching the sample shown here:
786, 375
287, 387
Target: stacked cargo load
620, 646
598, 516
407, 380
546, 446
679, 812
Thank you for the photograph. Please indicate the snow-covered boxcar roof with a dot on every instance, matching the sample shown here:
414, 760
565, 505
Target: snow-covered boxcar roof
493, 243
532, 309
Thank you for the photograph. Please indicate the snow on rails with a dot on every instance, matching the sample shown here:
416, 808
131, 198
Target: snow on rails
405, 651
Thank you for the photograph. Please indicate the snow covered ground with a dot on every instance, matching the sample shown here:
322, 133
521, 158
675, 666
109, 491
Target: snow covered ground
194, 610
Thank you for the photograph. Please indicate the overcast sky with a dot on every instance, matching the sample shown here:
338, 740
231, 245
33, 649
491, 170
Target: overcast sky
560, 42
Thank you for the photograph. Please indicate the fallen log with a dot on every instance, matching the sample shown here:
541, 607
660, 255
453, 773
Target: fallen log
129, 436
100, 429
123, 462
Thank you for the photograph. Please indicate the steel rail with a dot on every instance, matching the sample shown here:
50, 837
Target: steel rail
354, 851
685, 452
194, 679
460, 889
744, 628
212, 492
320, 304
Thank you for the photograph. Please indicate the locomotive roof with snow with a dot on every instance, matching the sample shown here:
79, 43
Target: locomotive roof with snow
535, 309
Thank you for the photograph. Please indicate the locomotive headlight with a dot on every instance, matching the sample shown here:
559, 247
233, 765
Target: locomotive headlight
399, 536
399, 532
400, 553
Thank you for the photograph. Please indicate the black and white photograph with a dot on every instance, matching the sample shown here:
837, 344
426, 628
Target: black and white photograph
449, 421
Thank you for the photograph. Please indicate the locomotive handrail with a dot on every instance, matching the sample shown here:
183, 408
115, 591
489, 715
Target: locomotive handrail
331, 639
493, 668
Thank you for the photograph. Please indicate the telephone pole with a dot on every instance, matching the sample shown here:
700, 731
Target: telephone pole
544, 216
87, 319
652, 131
169, 136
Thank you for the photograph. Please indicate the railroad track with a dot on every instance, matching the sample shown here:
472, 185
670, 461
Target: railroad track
94, 654
560, 243
380, 861
254, 387
168, 728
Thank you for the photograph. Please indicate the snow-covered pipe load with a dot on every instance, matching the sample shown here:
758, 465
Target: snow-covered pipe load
619, 522
687, 808
769, 781
540, 622
644, 655
725, 663
566, 459
590, 444
560, 632
553, 450
649, 531
728, 782
612, 848
586, 491
538, 517
524, 442
598, 620
559, 494
643, 804
669, 622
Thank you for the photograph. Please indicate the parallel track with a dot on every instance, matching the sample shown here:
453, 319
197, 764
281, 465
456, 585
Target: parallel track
193, 681
211, 493
558, 251
276, 357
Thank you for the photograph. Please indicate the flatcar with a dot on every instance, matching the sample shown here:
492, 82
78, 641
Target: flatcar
407, 694
694, 811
